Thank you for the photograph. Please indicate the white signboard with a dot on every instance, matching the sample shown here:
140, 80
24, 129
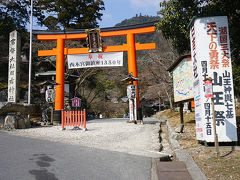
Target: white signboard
50, 95
131, 91
13, 66
210, 51
183, 80
95, 60
133, 109
76, 102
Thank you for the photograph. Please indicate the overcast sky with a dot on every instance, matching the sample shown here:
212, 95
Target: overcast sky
119, 10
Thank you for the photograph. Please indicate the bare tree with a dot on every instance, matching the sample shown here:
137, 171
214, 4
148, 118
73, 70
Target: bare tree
156, 63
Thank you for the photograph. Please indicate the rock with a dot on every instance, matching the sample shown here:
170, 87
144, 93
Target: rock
3, 96
21, 124
2, 120
176, 136
160, 147
2, 104
22, 121
166, 158
28, 123
10, 122
35, 124
177, 109
16, 121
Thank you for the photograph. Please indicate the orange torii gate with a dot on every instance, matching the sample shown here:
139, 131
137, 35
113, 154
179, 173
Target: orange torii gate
60, 51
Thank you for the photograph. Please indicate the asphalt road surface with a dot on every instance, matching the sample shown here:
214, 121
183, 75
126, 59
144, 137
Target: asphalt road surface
24, 158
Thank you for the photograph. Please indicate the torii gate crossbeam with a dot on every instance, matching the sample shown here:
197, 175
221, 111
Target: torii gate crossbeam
60, 51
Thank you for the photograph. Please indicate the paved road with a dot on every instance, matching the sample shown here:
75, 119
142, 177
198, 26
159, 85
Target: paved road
24, 158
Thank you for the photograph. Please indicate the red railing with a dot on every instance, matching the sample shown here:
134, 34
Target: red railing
75, 118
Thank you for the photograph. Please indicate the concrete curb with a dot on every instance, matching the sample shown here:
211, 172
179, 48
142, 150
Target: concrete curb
184, 156
154, 175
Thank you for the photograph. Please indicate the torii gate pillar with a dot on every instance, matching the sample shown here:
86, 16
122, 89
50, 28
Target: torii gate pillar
60, 75
132, 63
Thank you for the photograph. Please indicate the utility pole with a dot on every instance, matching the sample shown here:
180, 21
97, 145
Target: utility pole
30, 56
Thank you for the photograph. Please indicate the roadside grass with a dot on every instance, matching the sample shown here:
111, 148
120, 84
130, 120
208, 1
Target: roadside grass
223, 168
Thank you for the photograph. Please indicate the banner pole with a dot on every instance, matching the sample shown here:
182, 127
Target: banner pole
215, 130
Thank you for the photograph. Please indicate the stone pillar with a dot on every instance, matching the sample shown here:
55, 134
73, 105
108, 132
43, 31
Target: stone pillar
13, 66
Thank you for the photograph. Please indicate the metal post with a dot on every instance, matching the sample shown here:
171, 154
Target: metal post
30, 55
181, 117
135, 109
52, 114
214, 128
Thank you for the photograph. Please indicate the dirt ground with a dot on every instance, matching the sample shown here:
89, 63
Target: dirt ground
223, 168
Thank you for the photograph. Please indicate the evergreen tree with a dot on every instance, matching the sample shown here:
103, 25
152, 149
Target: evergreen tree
13, 16
177, 14
71, 14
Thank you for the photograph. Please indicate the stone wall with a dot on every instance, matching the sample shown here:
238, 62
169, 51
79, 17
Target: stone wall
15, 115
16, 121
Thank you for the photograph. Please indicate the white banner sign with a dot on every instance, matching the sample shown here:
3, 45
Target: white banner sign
50, 95
210, 51
95, 60
13, 66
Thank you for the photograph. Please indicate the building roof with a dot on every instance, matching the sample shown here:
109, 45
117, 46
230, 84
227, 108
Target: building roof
178, 61
47, 73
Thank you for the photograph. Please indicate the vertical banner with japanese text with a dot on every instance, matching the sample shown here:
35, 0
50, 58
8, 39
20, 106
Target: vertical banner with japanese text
13, 66
210, 51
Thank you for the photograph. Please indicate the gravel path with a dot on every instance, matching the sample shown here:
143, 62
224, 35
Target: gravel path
108, 134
